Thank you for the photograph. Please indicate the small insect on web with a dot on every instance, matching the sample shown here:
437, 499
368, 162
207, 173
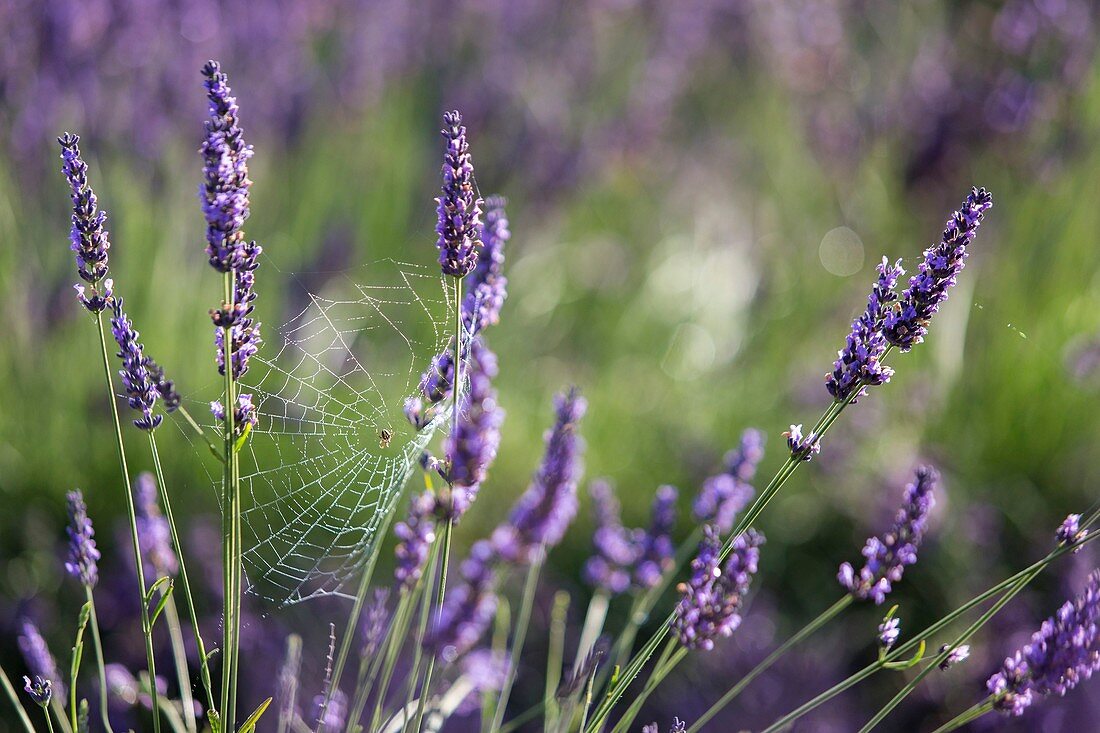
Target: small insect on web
332, 451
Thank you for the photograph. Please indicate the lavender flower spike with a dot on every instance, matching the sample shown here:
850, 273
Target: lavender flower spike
472, 447
468, 611
802, 448
40, 690
38, 658
166, 388
541, 516
372, 626
888, 555
657, 548
154, 535
237, 316
83, 554
907, 322
224, 190
857, 365
140, 389
710, 603
414, 539
87, 237
616, 549
1070, 532
486, 284
458, 206
1062, 653
723, 496
889, 631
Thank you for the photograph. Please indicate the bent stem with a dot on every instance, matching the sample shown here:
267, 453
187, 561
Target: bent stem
131, 515
101, 665
523, 620
185, 686
806, 631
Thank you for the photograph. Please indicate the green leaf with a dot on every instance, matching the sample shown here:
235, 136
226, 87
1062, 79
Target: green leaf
244, 437
82, 717
149, 593
161, 603
215, 721
249, 725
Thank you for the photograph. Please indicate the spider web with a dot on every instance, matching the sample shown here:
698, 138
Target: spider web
317, 476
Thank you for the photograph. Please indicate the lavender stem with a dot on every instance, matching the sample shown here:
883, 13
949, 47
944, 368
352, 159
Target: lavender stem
146, 629
100, 662
523, 620
5, 681
967, 716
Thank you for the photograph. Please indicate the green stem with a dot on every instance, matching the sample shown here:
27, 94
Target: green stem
555, 654
199, 431
179, 656
14, 697
204, 667
131, 515
829, 614
49, 722
967, 716
523, 620
229, 507
402, 617
672, 656
101, 665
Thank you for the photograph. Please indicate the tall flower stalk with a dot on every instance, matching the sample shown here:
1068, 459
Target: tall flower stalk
89, 240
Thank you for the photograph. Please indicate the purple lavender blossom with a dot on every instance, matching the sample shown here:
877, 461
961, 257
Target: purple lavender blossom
244, 416
857, 365
678, 726
414, 540
486, 286
616, 548
40, 690
472, 447
802, 448
888, 555
154, 535
469, 609
723, 496
458, 206
541, 516
87, 237
140, 389
166, 388
889, 631
1070, 532
1061, 654
906, 324
372, 623
957, 655
656, 548
710, 603
38, 658
237, 317
224, 191
83, 554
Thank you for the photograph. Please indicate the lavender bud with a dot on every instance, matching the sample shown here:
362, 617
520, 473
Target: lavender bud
711, 602
83, 554
857, 365
1063, 652
244, 415
656, 548
237, 317
154, 535
38, 658
414, 540
40, 690
802, 448
888, 632
140, 389
958, 654
887, 556
458, 206
486, 284
1070, 532
166, 388
615, 547
87, 237
906, 324
541, 516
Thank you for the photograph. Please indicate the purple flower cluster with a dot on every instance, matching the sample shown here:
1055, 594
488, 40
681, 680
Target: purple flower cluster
889, 631
372, 623
723, 496
245, 416
469, 608
458, 206
711, 601
616, 547
472, 447
541, 516
906, 323
1062, 653
83, 554
154, 535
141, 390
678, 726
87, 237
40, 690
237, 317
956, 656
1070, 532
38, 658
857, 365
887, 556
414, 539
655, 546
803, 448
166, 388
